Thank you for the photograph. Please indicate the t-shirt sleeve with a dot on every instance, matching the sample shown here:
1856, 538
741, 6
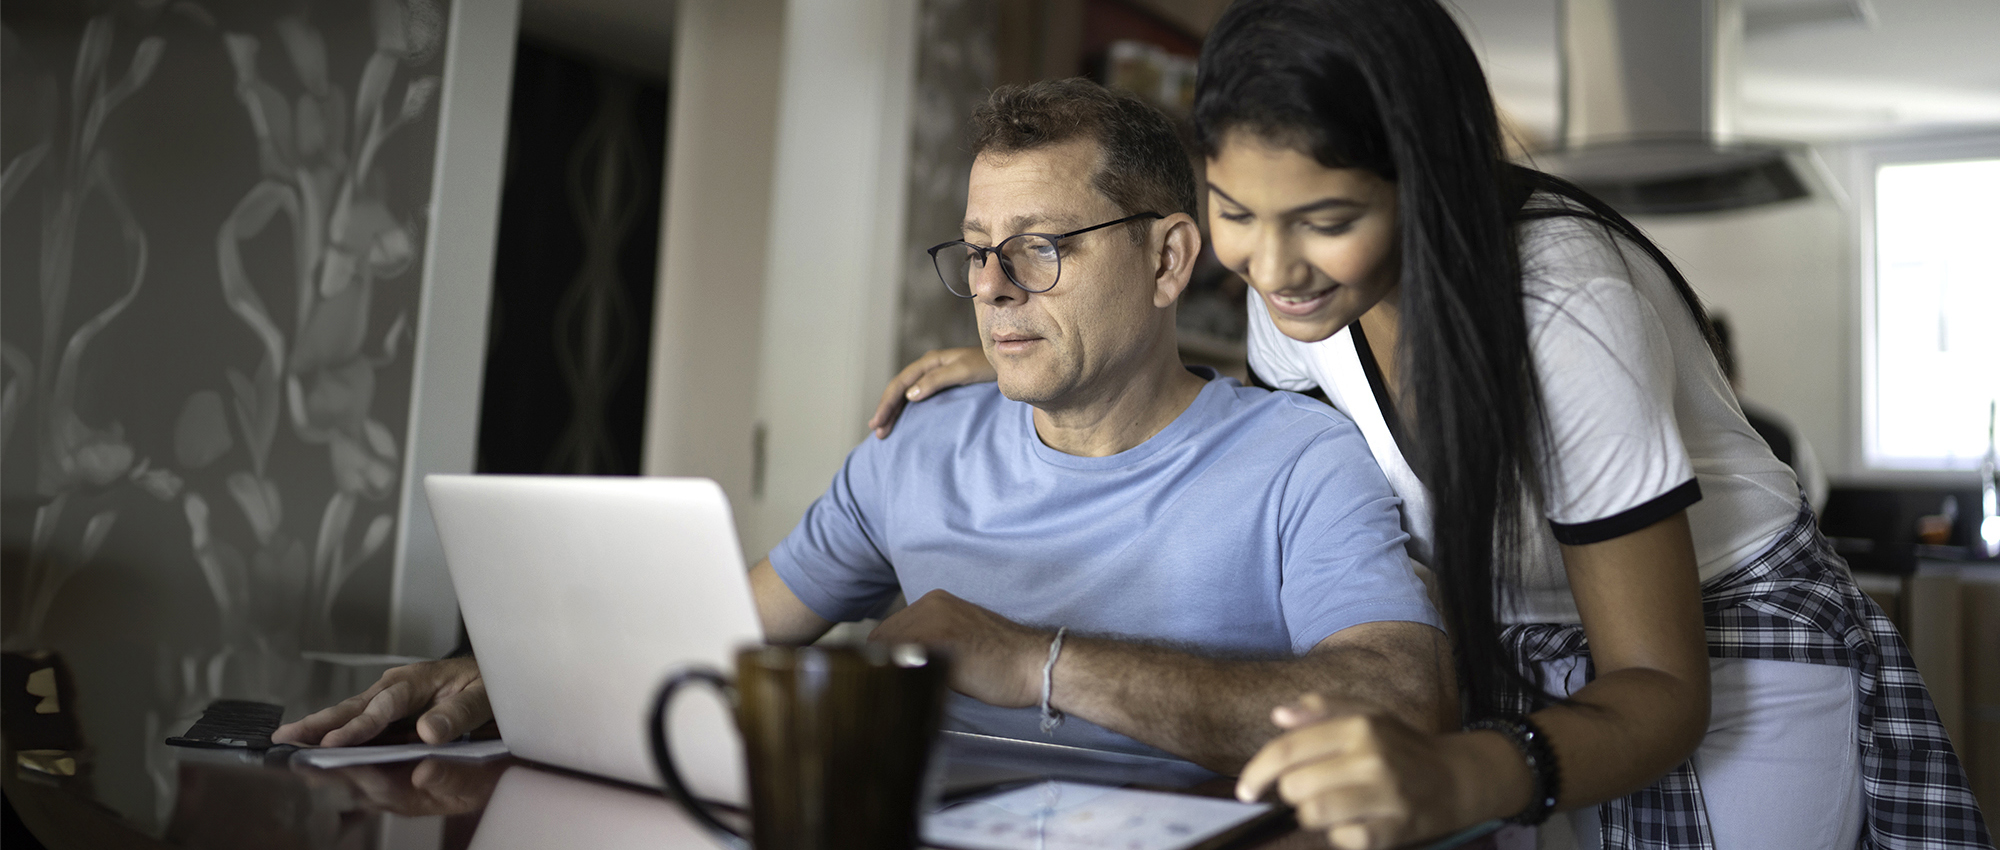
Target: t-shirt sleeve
834, 560
1614, 462
1343, 561
1278, 359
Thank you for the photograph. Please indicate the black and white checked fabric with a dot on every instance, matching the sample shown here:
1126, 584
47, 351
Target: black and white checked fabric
1795, 602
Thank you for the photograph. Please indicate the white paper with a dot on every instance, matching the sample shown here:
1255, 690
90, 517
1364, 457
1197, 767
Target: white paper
1071, 816
349, 756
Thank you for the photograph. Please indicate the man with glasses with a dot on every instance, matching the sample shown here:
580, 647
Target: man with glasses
1159, 555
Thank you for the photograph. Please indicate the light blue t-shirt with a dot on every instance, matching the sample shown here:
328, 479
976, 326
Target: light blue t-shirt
1254, 525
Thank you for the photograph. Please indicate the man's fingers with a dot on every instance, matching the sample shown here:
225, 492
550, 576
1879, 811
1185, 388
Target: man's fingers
896, 628
400, 693
310, 729
305, 731
388, 706
455, 715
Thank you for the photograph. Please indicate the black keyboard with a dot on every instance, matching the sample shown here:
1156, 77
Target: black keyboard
233, 724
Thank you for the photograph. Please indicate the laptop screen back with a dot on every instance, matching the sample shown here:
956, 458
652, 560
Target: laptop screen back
580, 595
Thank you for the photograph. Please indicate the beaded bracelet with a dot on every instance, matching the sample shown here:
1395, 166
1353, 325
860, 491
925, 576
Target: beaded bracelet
1534, 746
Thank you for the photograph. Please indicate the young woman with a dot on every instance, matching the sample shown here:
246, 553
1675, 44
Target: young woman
1651, 633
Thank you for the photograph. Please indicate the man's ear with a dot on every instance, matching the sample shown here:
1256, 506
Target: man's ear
1179, 243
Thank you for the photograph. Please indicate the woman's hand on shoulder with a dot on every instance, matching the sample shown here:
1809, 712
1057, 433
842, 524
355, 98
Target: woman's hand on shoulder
1365, 778
928, 375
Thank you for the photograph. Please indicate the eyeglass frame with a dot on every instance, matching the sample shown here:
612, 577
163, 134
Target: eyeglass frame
1055, 240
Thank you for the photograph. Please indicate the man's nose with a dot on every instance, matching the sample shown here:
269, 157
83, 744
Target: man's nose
991, 286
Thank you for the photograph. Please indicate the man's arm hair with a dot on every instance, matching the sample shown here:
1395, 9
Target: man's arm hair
1216, 712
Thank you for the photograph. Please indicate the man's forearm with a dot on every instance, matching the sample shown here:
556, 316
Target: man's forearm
1217, 712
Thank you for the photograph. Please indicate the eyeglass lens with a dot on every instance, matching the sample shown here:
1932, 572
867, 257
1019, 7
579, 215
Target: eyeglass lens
1030, 260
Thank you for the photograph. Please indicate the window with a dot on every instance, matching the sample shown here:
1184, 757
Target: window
1932, 314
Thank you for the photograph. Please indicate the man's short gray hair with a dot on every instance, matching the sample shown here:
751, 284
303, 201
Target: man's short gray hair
1143, 166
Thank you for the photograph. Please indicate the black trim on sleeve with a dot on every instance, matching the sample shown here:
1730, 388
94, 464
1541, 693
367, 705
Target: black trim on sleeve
1625, 522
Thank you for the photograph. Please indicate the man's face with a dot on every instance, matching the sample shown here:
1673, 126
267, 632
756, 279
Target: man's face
1076, 341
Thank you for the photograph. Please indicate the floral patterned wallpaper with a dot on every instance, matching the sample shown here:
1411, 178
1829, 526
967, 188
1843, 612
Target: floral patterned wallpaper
211, 230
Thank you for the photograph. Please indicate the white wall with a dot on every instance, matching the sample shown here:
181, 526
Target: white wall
832, 264
1784, 275
784, 215
1790, 278
708, 310
633, 34
451, 330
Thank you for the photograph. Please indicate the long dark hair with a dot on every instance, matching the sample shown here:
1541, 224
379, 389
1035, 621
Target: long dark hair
1392, 87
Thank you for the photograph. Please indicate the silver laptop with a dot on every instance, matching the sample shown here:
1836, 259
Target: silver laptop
580, 595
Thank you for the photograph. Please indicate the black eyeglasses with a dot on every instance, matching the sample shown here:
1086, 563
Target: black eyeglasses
1031, 261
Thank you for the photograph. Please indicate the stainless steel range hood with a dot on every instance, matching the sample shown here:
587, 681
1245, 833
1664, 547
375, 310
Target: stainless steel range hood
1648, 101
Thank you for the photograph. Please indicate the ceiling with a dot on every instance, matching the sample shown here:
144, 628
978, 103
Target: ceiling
1813, 70
636, 34
1885, 68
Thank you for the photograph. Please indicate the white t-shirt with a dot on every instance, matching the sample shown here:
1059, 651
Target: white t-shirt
1642, 424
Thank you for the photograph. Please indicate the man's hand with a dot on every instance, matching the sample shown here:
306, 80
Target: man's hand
993, 659
449, 693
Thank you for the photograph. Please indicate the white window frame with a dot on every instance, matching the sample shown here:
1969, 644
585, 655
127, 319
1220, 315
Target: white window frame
1868, 158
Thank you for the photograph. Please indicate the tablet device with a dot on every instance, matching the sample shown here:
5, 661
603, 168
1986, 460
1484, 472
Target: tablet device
1058, 815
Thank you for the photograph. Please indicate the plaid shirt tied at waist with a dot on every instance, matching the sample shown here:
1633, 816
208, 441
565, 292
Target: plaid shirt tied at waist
1795, 602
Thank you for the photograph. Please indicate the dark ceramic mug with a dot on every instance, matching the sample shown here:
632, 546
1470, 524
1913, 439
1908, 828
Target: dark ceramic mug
838, 740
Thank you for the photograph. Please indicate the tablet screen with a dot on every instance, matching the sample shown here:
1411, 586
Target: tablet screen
1054, 815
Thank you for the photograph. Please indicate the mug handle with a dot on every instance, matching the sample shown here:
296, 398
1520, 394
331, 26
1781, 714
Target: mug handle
664, 759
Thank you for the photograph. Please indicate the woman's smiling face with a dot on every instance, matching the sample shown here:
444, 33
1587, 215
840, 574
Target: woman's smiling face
1319, 244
